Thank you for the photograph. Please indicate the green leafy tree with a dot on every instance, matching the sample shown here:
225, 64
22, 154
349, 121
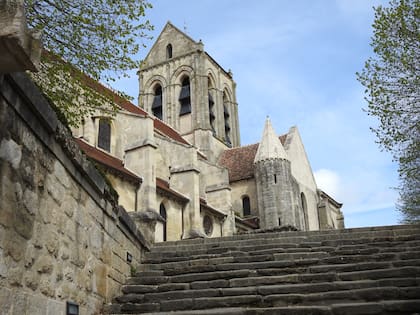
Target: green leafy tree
85, 42
392, 81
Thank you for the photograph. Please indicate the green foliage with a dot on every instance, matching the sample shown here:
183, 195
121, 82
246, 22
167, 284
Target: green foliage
133, 271
392, 81
96, 39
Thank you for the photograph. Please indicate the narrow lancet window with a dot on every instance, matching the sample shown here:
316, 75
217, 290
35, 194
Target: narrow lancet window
104, 135
212, 116
169, 51
246, 206
227, 119
162, 212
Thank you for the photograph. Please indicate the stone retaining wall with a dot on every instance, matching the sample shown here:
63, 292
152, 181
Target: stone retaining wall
62, 235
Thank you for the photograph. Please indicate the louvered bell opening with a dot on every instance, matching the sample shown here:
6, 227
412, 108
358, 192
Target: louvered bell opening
157, 112
225, 111
157, 101
211, 100
228, 142
185, 92
185, 107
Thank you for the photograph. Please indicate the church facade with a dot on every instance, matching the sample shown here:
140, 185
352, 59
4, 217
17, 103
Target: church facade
176, 159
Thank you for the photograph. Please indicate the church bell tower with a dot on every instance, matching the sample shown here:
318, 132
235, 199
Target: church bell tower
185, 87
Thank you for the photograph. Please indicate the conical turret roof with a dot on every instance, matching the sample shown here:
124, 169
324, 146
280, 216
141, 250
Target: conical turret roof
270, 146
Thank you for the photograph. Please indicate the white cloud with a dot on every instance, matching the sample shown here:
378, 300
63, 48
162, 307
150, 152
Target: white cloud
328, 181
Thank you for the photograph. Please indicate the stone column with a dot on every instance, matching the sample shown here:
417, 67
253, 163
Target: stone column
186, 181
140, 158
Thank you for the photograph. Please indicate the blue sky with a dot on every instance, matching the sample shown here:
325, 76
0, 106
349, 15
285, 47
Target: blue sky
295, 61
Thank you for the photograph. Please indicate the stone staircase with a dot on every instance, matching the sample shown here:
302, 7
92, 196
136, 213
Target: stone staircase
345, 272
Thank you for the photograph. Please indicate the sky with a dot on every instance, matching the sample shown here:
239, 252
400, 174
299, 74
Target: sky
296, 62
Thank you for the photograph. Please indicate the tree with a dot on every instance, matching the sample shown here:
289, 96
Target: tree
86, 40
392, 81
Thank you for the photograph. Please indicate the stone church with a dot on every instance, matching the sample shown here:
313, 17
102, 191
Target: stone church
177, 158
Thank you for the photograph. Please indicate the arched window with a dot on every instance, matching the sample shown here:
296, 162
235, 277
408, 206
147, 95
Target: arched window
104, 134
246, 206
304, 208
185, 97
303, 201
162, 212
157, 108
208, 225
212, 116
227, 118
169, 51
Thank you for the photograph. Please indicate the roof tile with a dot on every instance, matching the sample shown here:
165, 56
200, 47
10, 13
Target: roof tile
106, 160
240, 161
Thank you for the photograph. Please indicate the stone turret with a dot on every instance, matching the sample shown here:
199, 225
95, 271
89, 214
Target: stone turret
275, 184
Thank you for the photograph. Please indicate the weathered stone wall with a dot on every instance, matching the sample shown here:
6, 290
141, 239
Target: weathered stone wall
277, 194
330, 216
174, 223
126, 192
239, 190
62, 237
302, 172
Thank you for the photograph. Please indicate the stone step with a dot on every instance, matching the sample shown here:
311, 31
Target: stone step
251, 277
361, 271
404, 285
391, 307
395, 234
363, 301
332, 297
396, 229
278, 261
376, 274
292, 266
182, 255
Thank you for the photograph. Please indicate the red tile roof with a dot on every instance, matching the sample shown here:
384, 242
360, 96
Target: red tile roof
240, 161
117, 165
125, 104
159, 125
107, 160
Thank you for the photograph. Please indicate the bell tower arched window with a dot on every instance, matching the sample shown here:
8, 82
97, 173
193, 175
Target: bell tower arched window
169, 51
246, 206
212, 116
162, 212
226, 115
185, 97
157, 103
104, 134
304, 208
